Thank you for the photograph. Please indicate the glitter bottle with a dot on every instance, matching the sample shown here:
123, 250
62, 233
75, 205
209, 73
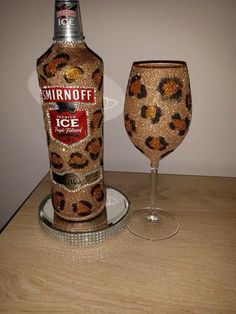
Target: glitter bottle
71, 82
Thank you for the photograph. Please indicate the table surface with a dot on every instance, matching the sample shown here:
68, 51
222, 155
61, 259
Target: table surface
193, 272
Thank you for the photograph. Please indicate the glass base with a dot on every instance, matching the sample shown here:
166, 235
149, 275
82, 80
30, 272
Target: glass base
109, 223
143, 225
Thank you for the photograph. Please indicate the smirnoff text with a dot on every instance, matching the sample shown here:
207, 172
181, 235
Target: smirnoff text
65, 94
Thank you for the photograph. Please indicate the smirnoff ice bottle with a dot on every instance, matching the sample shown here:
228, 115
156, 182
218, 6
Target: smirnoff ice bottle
71, 82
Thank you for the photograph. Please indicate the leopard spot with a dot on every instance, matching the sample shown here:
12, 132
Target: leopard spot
178, 124
58, 201
60, 61
84, 208
171, 88
42, 80
130, 125
96, 120
98, 78
78, 161
56, 160
71, 74
153, 113
94, 148
136, 88
98, 193
188, 102
156, 143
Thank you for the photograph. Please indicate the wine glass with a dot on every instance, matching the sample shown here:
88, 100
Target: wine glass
157, 115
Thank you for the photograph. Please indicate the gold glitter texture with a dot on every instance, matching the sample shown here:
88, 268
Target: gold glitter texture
162, 116
74, 65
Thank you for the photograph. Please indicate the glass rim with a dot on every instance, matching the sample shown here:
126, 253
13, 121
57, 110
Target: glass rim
159, 64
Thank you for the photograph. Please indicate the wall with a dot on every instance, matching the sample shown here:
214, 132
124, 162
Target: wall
200, 32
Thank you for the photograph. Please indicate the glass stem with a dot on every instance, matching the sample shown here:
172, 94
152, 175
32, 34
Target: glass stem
153, 216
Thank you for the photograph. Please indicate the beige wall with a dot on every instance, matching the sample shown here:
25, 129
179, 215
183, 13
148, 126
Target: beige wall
202, 32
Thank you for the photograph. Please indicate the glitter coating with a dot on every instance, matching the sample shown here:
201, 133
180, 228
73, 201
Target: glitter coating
75, 65
158, 107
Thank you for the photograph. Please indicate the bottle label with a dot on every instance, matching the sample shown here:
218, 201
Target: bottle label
66, 13
68, 94
67, 122
68, 128
68, 25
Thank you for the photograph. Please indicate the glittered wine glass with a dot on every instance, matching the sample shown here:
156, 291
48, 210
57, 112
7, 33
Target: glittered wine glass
157, 114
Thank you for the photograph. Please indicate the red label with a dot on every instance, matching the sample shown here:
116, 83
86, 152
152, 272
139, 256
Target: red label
68, 128
66, 13
67, 94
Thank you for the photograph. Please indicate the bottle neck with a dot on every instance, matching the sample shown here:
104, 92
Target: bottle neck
68, 23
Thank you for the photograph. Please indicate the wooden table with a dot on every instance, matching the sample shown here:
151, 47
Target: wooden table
193, 272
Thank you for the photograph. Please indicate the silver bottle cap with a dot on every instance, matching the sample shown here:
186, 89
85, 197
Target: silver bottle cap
68, 23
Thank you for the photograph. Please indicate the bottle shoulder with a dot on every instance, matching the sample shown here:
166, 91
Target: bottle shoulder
78, 51
45, 55
94, 53
70, 63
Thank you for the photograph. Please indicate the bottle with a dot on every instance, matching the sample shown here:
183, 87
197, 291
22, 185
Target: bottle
71, 82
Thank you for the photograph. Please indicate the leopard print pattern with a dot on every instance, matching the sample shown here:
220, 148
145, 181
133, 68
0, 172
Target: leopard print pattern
158, 108
75, 65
